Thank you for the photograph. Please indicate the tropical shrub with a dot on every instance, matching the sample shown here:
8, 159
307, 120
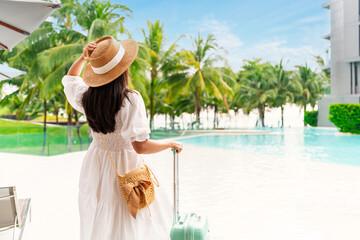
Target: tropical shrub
346, 117
311, 118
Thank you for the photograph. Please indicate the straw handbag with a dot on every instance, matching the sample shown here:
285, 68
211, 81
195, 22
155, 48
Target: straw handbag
136, 186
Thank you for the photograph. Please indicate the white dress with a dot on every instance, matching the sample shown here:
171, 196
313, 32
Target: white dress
103, 212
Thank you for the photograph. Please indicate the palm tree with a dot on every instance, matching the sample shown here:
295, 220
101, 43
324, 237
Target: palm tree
311, 87
325, 73
221, 105
100, 18
205, 77
183, 103
211, 101
13, 100
285, 88
229, 77
25, 56
96, 19
159, 61
137, 73
257, 88
47, 54
56, 103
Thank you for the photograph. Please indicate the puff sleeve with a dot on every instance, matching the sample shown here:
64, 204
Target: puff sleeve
74, 88
135, 124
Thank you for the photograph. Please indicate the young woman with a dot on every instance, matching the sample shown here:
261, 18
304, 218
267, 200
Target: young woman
117, 115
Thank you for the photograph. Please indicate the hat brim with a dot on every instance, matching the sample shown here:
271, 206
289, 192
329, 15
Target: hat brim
96, 80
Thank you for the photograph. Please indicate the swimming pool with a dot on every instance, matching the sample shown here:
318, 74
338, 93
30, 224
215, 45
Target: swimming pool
290, 184
311, 144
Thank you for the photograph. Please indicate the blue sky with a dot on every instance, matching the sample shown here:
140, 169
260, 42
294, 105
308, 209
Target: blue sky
247, 29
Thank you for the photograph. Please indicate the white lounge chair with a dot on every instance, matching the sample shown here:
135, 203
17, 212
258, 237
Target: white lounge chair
13, 211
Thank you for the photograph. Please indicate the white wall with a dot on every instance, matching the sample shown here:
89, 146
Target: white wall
344, 50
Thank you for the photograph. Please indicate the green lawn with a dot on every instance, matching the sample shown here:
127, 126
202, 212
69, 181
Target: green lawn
28, 138
5, 110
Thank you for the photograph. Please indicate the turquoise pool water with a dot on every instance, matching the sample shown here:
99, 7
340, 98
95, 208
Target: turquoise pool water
311, 144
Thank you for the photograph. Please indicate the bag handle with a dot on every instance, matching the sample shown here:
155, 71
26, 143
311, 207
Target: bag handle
147, 168
151, 174
110, 155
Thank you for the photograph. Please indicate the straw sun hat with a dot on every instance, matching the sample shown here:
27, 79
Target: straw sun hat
109, 60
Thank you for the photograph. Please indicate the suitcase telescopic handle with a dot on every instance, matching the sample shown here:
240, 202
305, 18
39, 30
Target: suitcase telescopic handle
176, 186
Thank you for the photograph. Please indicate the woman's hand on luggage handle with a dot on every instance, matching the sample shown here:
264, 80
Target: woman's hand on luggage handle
154, 146
176, 145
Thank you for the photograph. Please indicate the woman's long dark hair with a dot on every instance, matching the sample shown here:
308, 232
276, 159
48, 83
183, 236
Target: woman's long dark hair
101, 104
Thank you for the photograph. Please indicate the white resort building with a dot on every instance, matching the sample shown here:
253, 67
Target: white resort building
345, 56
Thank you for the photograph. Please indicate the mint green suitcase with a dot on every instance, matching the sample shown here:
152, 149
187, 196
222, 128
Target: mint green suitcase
188, 226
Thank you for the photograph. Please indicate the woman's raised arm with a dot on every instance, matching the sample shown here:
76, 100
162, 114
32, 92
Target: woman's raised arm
77, 66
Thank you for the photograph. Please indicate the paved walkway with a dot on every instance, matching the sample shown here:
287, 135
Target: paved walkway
246, 196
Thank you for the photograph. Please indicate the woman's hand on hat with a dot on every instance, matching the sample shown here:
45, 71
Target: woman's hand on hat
77, 66
89, 47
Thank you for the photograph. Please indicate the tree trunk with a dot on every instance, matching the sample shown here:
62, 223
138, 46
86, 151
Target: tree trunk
173, 122
207, 116
69, 132
304, 114
78, 129
152, 110
88, 136
151, 105
183, 122
226, 105
44, 139
261, 108
197, 106
282, 116
165, 122
57, 116
68, 21
215, 116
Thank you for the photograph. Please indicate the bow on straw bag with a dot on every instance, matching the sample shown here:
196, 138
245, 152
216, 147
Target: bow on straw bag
136, 186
